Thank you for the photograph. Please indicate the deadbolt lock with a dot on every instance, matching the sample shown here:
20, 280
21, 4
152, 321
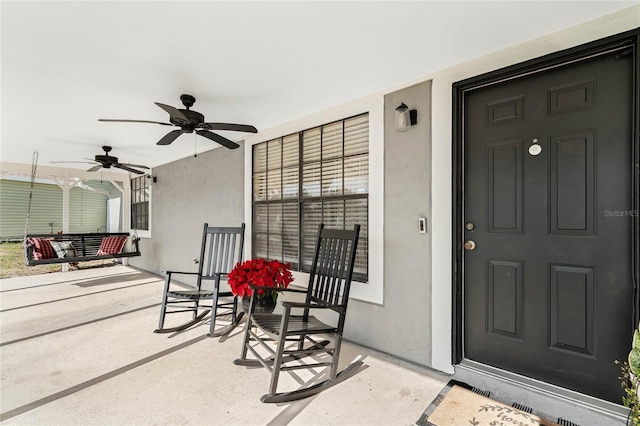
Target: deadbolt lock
469, 226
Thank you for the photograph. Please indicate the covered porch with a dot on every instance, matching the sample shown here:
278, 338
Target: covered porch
79, 348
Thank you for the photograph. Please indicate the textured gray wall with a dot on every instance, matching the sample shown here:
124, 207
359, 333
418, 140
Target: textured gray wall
189, 192
402, 326
210, 188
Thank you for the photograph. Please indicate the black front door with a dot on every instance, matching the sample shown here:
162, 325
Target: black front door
547, 201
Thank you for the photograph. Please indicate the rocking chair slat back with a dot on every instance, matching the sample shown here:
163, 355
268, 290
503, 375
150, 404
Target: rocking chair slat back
330, 276
223, 250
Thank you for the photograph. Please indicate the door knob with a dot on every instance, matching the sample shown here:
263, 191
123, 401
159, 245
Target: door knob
469, 245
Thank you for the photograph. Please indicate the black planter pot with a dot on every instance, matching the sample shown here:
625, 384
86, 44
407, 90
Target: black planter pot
264, 305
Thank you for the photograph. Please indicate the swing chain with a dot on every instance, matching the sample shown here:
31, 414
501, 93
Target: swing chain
34, 168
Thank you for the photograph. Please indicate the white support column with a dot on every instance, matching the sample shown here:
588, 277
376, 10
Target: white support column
126, 205
124, 201
125, 190
66, 210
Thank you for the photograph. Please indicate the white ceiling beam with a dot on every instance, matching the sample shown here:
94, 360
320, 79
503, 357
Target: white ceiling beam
57, 173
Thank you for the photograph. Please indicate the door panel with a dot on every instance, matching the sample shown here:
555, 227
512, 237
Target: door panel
572, 184
504, 301
572, 308
504, 191
548, 287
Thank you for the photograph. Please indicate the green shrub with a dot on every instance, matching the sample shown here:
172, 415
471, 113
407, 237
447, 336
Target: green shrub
630, 380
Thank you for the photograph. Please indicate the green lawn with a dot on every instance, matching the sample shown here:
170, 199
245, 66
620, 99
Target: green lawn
12, 263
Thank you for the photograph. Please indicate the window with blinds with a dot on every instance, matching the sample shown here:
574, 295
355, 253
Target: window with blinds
319, 175
140, 203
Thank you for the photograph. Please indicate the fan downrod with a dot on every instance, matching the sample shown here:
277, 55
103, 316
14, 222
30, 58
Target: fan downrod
187, 100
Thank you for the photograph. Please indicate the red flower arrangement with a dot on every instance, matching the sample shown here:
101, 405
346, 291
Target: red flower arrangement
267, 273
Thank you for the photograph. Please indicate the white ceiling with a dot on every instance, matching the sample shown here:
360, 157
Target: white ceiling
66, 64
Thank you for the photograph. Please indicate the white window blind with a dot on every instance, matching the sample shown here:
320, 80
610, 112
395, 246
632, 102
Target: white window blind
140, 203
319, 175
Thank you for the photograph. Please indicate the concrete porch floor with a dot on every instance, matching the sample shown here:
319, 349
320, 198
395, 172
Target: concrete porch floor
78, 348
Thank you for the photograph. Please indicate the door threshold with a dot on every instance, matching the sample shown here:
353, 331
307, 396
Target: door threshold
546, 400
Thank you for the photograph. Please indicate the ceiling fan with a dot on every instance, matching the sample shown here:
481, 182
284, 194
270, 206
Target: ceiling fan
107, 161
190, 121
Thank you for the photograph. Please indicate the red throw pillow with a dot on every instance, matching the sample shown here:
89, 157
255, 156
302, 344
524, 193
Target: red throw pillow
42, 248
112, 245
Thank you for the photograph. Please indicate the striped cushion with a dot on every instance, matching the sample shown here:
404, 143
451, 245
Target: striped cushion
112, 245
42, 248
64, 248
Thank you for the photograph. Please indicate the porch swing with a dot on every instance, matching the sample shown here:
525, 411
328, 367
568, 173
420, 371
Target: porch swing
46, 249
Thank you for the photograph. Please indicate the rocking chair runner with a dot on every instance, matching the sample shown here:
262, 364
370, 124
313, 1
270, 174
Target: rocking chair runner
221, 249
328, 289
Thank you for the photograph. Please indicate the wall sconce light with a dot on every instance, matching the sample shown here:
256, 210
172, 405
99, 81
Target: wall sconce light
405, 118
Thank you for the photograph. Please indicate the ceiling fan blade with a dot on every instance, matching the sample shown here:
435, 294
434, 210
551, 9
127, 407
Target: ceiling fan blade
133, 121
229, 126
95, 168
74, 162
170, 137
219, 139
129, 169
138, 166
176, 115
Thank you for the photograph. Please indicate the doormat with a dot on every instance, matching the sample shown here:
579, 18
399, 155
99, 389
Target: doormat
458, 405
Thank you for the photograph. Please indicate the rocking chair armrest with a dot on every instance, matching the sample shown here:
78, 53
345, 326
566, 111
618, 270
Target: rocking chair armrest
289, 304
278, 289
180, 272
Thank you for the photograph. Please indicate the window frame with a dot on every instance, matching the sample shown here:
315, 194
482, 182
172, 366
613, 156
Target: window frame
144, 233
373, 290
300, 200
